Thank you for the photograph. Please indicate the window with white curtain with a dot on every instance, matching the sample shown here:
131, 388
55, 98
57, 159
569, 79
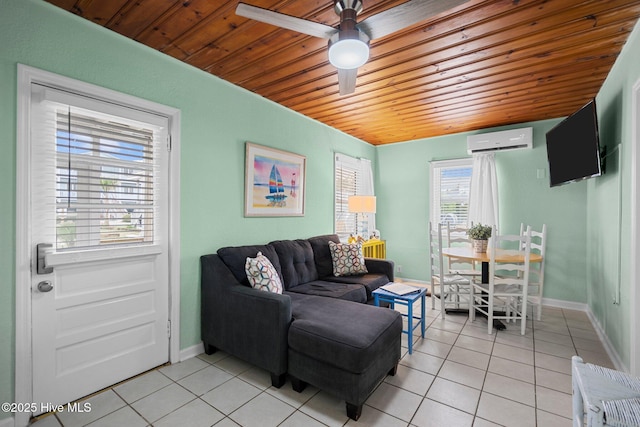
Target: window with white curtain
99, 170
450, 188
353, 176
483, 198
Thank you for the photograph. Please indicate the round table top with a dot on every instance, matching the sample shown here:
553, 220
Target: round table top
502, 255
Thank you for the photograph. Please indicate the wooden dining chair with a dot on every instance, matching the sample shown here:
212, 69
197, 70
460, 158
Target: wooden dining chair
536, 271
457, 236
453, 289
506, 293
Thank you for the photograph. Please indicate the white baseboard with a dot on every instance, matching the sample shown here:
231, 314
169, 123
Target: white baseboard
569, 305
7, 422
421, 282
611, 351
604, 339
189, 352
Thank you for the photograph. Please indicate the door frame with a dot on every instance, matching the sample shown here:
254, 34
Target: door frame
23, 347
634, 346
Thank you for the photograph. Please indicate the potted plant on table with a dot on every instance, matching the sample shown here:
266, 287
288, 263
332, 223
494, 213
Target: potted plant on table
479, 235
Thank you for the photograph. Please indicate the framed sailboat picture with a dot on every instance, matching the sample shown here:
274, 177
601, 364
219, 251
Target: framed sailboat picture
274, 182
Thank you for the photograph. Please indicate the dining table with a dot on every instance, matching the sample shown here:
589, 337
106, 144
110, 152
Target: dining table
512, 256
467, 253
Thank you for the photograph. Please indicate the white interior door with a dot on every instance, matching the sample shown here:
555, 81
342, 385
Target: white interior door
99, 197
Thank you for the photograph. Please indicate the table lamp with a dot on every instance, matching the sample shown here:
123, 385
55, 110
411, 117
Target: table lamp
362, 205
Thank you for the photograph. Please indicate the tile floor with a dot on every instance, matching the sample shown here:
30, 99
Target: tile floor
457, 376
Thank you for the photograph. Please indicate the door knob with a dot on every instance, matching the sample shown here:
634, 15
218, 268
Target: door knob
45, 286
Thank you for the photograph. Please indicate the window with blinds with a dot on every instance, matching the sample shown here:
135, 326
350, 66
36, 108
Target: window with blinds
353, 177
97, 183
347, 172
104, 181
450, 187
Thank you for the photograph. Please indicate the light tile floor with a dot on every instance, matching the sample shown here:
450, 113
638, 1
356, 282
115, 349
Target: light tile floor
457, 376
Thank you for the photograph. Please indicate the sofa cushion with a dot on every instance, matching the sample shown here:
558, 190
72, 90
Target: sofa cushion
322, 254
262, 274
347, 259
370, 281
345, 291
342, 333
297, 265
235, 258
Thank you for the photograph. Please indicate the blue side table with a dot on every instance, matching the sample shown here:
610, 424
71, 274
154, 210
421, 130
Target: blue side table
408, 300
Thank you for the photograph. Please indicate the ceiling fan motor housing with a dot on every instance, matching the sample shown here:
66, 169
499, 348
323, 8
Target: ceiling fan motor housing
341, 5
348, 10
354, 44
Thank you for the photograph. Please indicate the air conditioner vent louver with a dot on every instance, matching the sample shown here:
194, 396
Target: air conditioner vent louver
505, 140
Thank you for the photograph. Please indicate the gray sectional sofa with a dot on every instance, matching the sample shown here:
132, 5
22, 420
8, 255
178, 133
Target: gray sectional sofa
322, 330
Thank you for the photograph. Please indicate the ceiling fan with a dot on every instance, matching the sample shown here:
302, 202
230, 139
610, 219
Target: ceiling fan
349, 42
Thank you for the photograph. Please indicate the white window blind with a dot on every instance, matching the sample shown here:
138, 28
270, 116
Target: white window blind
352, 177
346, 184
450, 186
99, 185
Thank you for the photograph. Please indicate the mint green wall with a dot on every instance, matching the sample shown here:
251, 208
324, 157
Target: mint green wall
403, 191
589, 222
217, 119
609, 199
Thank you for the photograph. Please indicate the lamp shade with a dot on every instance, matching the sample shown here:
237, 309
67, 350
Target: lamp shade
348, 49
362, 204
348, 54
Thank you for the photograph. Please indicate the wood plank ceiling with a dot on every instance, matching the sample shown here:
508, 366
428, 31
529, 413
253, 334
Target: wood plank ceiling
483, 64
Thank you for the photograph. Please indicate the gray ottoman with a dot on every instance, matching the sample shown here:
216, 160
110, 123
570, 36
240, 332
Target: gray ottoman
343, 348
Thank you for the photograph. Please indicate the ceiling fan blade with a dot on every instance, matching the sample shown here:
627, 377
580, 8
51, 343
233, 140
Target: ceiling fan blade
285, 21
404, 15
347, 80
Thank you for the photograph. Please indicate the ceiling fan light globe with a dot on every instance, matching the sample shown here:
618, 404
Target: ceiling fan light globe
348, 54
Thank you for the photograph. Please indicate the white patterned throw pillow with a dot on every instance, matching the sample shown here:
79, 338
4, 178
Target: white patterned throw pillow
262, 274
347, 259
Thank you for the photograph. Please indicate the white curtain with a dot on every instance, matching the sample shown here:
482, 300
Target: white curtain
366, 189
483, 199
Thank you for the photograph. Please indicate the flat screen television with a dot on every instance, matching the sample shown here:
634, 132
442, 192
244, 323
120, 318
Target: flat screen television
573, 147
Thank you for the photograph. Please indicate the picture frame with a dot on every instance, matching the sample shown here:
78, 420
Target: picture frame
274, 182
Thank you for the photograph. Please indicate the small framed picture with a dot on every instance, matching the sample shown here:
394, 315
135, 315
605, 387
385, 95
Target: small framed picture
274, 182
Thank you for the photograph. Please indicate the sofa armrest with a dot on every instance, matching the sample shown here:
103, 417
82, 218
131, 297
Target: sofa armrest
248, 323
380, 266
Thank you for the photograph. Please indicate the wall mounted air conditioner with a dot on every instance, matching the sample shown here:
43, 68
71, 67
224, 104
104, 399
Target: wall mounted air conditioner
505, 140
